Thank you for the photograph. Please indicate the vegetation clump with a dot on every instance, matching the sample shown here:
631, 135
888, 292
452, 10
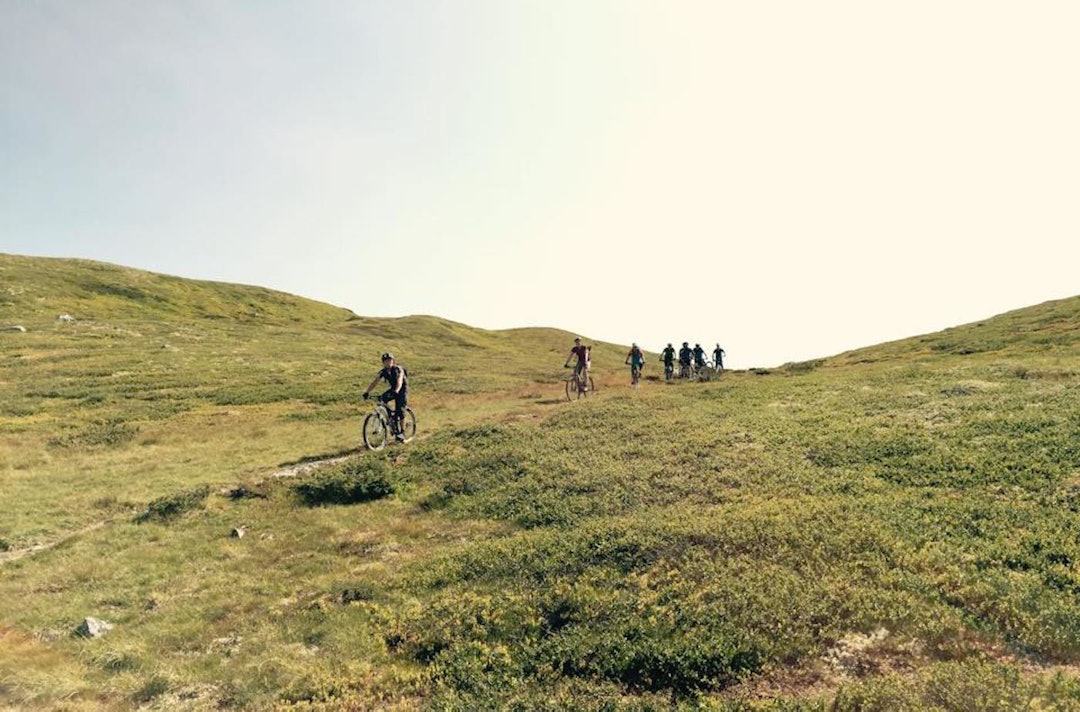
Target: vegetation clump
352, 482
102, 433
170, 507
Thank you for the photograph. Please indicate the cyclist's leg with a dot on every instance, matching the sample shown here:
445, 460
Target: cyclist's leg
400, 401
387, 398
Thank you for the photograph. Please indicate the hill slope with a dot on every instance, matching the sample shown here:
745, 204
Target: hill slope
1045, 329
887, 529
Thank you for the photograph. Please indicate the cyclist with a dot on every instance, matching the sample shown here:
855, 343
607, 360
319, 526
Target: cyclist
699, 357
685, 356
718, 357
635, 358
583, 354
668, 355
398, 392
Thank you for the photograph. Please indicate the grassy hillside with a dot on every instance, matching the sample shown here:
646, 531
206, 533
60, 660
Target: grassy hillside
892, 528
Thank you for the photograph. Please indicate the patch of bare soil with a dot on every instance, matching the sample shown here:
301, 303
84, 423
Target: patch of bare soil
855, 656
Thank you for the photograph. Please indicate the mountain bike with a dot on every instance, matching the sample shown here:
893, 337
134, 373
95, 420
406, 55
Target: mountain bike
380, 425
669, 370
706, 371
579, 386
635, 375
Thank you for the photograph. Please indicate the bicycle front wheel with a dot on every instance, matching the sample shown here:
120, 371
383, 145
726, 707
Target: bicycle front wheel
374, 432
571, 388
408, 425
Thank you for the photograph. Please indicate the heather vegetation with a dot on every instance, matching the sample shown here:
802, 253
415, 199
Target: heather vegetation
890, 528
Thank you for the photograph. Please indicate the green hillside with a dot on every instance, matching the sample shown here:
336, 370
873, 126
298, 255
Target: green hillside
889, 528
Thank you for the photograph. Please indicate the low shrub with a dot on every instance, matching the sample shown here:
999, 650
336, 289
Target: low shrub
172, 506
103, 433
357, 480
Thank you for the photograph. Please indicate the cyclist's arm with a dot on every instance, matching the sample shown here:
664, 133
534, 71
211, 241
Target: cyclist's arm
400, 381
371, 385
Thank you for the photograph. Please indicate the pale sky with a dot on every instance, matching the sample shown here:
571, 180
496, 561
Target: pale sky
791, 179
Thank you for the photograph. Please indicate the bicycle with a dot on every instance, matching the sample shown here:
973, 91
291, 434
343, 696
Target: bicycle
579, 385
686, 370
706, 371
669, 370
635, 376
380, 424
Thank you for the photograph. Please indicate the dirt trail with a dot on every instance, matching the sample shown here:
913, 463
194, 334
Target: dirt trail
7, 557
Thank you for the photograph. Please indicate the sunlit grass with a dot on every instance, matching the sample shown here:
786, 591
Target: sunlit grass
889, 528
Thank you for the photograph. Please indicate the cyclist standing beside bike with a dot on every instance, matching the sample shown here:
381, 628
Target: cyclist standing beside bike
718, 357
582, 353
636, 360
398, 392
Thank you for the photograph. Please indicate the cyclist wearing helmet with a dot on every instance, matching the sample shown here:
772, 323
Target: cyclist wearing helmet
583, 354
668, 355
398, 392
699, 357
718, 356
686, 355
635, 358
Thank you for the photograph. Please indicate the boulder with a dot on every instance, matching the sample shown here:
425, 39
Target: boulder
17, 327
67, 318
93, 628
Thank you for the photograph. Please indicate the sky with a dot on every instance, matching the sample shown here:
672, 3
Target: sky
788, 179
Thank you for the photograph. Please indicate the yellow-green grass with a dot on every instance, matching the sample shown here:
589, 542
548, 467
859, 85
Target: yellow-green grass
700, 545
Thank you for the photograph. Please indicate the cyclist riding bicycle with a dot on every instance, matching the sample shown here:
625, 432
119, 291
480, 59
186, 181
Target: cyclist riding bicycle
635, 359
686, 355
583, 354
699, 357
668, 356
398, 391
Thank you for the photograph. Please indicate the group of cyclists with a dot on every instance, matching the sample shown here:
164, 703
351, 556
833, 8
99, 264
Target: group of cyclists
692, 361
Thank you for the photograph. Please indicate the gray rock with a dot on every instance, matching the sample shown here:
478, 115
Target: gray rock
18, 327
93, 628
66, 318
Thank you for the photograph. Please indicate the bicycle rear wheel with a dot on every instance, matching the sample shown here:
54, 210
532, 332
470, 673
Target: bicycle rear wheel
374, 432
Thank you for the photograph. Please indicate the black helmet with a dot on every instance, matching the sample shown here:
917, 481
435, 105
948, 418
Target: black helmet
387, 355
686, 343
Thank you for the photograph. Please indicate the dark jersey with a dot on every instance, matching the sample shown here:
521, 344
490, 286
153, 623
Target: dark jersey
668, 354
582, 353
390, 375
